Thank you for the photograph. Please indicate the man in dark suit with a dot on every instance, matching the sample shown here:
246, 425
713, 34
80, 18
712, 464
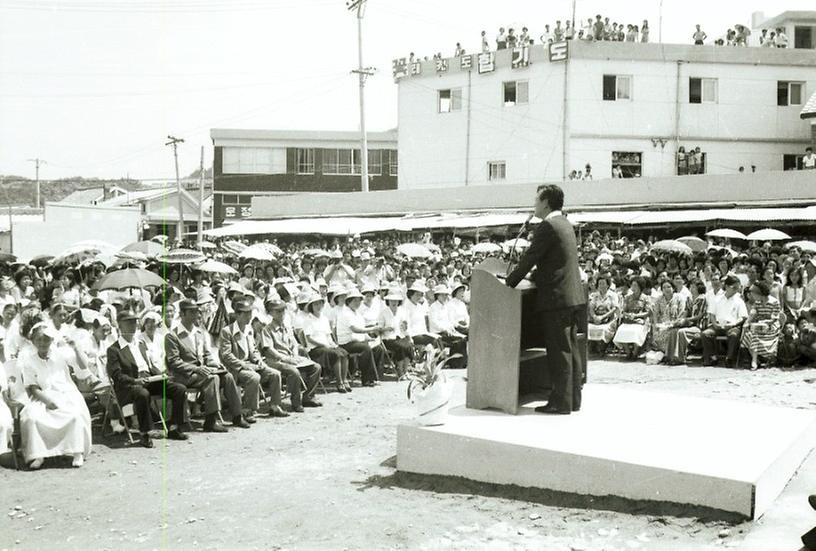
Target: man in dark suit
190, 362
129, 367
239, 354
554, 252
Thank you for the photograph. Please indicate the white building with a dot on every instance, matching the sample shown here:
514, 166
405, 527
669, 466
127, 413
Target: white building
798, 26
522, 117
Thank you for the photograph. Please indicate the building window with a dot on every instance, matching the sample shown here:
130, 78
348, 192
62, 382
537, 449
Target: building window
803, 38
305, 161
515, 92
374, 162
792, 162
341, 161
449, 100
394, 162
789, 93
702, 90
496, 170
630, 164
236, 200
617, 87
253, 160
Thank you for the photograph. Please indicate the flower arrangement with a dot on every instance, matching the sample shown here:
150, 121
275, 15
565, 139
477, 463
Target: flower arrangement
430, 370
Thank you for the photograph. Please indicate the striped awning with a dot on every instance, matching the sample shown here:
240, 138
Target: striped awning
809, 112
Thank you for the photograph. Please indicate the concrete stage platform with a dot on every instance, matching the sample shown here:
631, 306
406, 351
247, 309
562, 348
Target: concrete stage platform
726, 455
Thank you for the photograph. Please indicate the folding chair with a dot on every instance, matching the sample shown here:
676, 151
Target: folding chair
196, 395
127, 411
16, 399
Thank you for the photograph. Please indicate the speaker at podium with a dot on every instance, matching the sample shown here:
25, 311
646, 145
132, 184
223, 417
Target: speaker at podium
507, 364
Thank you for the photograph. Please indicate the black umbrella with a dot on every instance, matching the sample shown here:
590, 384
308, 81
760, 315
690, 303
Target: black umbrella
41, 260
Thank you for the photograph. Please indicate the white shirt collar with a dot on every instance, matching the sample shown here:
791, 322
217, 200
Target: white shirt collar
124, 344
553, 214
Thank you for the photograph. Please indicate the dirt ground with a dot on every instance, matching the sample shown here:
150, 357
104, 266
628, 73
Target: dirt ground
325, 479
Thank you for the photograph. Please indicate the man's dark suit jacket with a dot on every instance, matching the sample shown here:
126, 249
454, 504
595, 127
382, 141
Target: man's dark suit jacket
123, 369
554, 252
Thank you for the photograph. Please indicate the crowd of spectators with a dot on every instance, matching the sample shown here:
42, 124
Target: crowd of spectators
347, 310
660, 306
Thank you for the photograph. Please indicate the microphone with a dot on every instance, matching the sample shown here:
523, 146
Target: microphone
515, 242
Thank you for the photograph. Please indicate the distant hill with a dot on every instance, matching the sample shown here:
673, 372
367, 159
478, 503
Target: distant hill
17, 190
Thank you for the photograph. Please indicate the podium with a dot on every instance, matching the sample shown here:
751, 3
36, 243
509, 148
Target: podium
507, 360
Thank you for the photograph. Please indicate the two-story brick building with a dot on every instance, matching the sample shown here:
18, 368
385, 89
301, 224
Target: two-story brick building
248, 163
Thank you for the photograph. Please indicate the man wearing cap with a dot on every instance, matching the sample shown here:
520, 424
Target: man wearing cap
135, 380
239, 354
190, 363
439, 322
279, 346
560, 297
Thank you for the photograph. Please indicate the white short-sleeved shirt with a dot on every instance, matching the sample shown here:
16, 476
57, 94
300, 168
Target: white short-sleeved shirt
415, 316
346, 318
316, 328
728, 311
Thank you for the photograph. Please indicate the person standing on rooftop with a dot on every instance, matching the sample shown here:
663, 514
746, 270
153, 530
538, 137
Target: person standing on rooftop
699, 36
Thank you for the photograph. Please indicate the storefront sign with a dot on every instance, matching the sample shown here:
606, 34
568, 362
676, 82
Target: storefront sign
559, 51
399, 68
487, 62
521, 57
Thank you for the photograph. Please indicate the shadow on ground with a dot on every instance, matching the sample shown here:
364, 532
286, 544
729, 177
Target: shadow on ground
550, 498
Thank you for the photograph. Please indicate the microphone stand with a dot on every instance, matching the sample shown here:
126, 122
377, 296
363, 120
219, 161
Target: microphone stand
515, 243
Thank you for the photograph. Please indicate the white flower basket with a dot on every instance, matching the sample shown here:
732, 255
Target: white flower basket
432, 403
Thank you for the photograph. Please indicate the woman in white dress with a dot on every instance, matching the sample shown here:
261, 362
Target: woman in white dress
56, 422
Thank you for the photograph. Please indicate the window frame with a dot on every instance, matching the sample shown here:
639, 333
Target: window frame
454, 100
617, 80
702, 87
345, 164
309, 162
375, 169
516, 101
237, 202
499, 166
788, 84
626, 167
393, 162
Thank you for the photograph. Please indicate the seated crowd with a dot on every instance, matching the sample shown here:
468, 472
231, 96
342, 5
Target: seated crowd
232, 347
223, 345
758, 306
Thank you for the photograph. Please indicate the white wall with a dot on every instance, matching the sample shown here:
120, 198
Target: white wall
745, 126
65, 225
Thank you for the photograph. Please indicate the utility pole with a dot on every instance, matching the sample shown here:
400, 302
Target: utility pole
37, 162
201, 200
362, 73
660, 24
174, 142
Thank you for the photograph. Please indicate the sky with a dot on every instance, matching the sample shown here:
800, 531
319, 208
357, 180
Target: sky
94, 87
